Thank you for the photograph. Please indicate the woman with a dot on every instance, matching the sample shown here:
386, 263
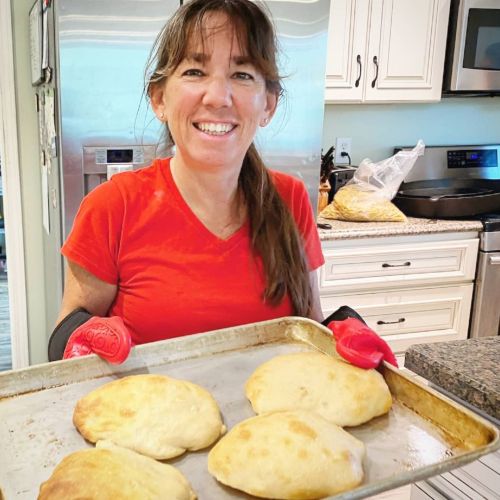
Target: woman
208, 238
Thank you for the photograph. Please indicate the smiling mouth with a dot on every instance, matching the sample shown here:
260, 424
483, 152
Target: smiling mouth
215, 128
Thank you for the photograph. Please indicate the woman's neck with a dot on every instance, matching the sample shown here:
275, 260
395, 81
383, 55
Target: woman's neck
212, 195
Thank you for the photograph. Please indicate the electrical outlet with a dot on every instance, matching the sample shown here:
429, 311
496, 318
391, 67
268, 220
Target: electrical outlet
343, 144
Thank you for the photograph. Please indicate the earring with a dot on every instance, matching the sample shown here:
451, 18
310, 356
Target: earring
265, 121
162, 116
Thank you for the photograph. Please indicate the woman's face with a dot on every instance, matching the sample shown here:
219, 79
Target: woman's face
215, 100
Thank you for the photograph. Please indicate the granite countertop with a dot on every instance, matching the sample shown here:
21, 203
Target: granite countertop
342, 230
468, 369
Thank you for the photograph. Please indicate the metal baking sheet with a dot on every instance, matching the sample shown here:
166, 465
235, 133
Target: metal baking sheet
424, 433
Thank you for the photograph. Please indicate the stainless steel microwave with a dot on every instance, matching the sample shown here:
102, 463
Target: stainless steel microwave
473, 47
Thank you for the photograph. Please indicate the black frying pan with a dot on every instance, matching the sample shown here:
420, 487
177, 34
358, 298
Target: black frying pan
448, 198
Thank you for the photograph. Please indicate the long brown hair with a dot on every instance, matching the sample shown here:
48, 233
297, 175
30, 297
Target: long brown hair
274, 234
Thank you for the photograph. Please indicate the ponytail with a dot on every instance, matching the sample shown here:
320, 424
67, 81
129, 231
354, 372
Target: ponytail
275, 237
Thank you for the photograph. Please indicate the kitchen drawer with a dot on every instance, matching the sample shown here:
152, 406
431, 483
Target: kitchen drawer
405, 317
401, 265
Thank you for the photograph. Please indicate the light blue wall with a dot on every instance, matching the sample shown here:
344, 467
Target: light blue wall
376, 128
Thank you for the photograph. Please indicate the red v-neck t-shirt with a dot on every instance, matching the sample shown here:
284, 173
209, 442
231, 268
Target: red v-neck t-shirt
174, 276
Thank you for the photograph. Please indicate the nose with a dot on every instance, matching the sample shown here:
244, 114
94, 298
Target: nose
218, 93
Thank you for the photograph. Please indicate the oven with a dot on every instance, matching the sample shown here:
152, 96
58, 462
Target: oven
463, 182
473, 47
485, 319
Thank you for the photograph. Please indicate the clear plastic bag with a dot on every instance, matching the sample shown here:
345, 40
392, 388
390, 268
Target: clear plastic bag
367, 197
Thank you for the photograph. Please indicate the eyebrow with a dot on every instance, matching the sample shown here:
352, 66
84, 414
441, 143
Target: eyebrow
200, 57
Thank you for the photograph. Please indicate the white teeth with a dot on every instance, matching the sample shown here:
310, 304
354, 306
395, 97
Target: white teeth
215, 128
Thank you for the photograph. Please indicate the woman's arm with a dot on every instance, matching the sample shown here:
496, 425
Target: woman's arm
316, 312
83, 289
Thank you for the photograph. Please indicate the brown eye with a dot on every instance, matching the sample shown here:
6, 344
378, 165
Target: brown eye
192, 72
241, 75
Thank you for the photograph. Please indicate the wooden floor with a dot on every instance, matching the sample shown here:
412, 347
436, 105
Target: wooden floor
5, 353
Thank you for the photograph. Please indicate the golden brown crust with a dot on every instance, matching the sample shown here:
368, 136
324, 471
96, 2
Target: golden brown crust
288, 455
114, 473
312, 381
155, 415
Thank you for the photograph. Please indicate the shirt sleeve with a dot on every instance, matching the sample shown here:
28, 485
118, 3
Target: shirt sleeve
294, 193
93, 242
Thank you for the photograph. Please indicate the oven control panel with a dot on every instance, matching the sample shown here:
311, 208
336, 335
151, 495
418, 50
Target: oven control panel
473, 158
456, 162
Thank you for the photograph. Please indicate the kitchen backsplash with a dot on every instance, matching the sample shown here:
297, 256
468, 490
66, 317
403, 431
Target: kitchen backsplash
376, 128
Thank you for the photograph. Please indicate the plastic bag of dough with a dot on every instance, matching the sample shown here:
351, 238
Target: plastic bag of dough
352, 203
367, 197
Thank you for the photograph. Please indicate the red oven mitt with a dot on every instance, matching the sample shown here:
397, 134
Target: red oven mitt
109, 338
359, 344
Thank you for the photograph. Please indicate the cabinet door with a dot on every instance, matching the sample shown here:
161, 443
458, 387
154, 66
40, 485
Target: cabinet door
405, 56
345, 65
406, 317
403, 265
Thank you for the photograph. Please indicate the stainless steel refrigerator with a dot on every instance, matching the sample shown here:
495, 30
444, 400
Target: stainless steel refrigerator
105, 123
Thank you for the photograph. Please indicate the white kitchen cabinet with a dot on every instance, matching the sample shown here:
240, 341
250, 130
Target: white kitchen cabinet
410, 316
386, 50
393, 263
409, 289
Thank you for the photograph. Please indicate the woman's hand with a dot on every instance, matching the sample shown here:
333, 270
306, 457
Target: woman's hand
80, 333
360, 345
82, 327
356, 341
109, 338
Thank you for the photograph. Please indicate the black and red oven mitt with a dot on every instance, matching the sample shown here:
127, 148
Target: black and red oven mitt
80, 333
356, 342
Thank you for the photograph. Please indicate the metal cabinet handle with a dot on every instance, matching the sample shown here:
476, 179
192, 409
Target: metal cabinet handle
360, 69
375, 61
400, 320
406, 264
494, 259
